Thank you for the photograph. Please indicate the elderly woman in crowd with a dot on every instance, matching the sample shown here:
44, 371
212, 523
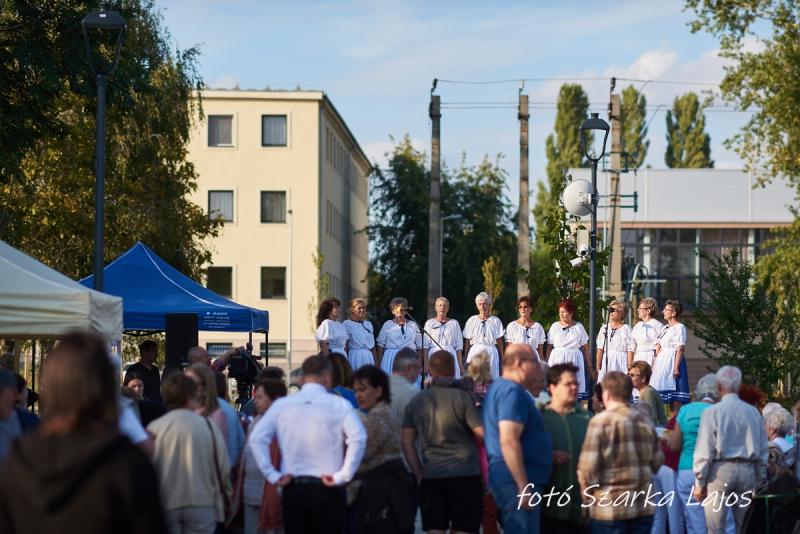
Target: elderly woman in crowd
669, 371
484, 333
646, 331
615, 342
525, 329
385, 501
360, 337
683, 438
567, 342
778, 423
78, 473
331, 334
443, 333
396, 334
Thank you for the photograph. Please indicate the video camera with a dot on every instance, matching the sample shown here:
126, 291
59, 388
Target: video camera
244, 368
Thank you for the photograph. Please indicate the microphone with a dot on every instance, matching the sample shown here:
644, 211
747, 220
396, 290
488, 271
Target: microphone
612, 310
406, 309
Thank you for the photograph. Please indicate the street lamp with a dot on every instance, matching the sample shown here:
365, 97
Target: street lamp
103, 23
591, 130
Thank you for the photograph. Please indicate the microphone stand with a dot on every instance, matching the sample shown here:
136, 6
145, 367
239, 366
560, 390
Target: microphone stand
423, 333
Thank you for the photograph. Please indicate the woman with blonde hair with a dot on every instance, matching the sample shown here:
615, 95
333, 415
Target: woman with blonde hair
614, 342
203, 376
670, 377
360, 337
479, 370
646, 332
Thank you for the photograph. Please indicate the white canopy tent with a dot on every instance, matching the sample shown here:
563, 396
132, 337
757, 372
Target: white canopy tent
39, 302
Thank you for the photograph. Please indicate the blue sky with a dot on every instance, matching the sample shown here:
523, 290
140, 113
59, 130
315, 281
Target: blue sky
377, 59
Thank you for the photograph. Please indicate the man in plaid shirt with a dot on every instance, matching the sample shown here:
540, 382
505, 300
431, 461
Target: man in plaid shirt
619, 457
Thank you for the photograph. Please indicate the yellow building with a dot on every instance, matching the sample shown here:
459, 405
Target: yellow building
288, 177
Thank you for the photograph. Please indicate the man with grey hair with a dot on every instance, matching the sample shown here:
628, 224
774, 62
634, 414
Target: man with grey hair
730, 458
405, 371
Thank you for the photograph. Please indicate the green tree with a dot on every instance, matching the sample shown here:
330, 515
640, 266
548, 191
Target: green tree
688, 144
563, 149
48, 198
740, 324
759, 38
633, 111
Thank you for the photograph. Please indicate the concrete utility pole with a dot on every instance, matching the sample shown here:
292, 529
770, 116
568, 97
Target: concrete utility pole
615, 267
523, 240
435, 215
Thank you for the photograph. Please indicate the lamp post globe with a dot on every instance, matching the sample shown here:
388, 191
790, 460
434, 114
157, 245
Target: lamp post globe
591, 130
106, 23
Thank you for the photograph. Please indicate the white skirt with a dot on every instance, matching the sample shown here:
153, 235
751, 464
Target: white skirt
360, 358
455, 358
575, 357
662, 379
613, 361
494, 357
388, 360
645, 356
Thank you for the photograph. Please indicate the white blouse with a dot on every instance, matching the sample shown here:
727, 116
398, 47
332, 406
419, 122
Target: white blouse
334, 334
645, 335
672, 337
619, 339
567, 337
359, 334
396, 336
447, 334
531, 335
480, 332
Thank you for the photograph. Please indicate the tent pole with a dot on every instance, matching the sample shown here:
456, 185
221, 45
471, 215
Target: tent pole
33, 366
266, 352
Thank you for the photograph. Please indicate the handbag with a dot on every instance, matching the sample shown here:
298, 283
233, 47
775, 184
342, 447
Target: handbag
225, 498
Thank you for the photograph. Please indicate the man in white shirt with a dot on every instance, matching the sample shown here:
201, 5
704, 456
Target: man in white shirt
322, 442
731, 454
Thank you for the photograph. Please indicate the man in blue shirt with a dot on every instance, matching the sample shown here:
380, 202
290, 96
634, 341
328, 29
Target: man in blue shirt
520, 450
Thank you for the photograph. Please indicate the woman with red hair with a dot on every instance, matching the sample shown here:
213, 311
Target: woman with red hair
567, 343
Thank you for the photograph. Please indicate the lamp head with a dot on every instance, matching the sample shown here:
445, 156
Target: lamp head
592, 130
103, 21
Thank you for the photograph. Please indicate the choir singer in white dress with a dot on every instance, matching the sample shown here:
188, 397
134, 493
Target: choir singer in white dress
614, 342
331, 334
360, 337
484, 333
567, 342
669, 372
396, 334
446, 334
646, 331
526, 330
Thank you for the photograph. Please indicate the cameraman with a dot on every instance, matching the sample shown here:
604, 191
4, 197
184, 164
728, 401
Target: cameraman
200, 355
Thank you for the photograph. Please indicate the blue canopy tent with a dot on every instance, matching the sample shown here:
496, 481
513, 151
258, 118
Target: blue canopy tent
151, 289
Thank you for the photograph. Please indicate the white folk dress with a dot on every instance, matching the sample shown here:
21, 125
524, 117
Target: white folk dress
483, 337
393, 337
532, 335
447, 335
360, 341
645, 334
334, 334
567, 342
663, 379
615, 350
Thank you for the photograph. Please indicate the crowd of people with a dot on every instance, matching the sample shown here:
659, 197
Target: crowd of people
474, 430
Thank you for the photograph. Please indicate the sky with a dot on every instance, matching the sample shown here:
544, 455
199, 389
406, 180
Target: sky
376, 60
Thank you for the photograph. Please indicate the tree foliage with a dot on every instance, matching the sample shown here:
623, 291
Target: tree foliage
477, 226
740, 324
760, 38
47, 193
563, 149
688, 144
633, 111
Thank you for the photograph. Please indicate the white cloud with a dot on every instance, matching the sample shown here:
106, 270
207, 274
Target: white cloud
226, 82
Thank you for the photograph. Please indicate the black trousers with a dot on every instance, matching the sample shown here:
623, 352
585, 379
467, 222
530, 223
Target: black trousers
311, 508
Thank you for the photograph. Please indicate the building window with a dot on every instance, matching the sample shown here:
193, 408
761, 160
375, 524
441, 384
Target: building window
220, 281
276, 350
273, 206
273, 282
273, 130
220, 205
218, 349
220, 130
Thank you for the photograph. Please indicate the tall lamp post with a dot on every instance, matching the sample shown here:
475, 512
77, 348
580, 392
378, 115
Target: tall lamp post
591, 129
101, 21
